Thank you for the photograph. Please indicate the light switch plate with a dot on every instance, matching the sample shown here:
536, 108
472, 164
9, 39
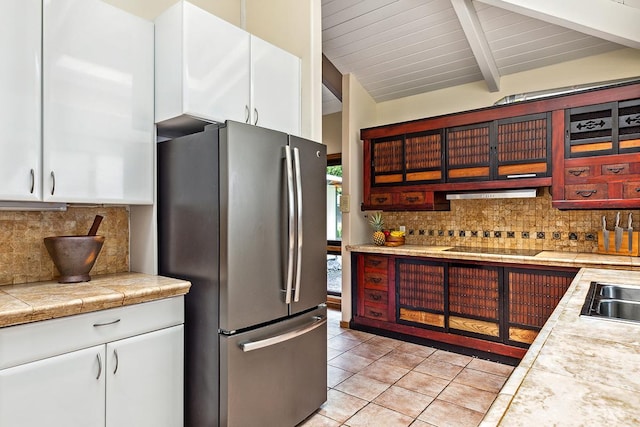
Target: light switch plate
345, 203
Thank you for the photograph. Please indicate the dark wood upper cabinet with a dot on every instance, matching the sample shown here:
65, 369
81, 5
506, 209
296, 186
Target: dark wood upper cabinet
586, 145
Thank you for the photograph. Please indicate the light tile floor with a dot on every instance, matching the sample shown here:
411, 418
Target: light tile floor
377, 381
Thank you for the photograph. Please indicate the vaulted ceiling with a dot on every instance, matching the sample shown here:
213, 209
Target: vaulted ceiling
398, 48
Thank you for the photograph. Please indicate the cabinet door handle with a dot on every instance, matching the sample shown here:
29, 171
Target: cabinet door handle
586, 193
97, 325
255, 111
53, 183
381, 199
576, 172
615, 169
115, 353
33, 181
246, 114
99, 366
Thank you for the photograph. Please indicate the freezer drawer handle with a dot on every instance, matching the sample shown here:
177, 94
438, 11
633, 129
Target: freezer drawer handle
256, 345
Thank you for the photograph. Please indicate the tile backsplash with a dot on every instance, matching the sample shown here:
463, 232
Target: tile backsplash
508, 223
24, 258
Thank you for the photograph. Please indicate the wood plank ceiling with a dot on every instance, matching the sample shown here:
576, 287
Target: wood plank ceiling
398, 48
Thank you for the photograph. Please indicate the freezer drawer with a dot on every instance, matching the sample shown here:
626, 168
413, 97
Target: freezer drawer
275, 375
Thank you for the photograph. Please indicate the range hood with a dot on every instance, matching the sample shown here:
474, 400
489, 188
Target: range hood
521, 193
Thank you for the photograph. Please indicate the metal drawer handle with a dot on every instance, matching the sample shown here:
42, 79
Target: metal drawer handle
374, 262
637, 189
375, 279
412, 199
376, 297
99, 366
246, 114
615, 169
255, 345
376, 314
97, 325
53, 183
115, 353
255, 110
576, 172
381, 199
586, 193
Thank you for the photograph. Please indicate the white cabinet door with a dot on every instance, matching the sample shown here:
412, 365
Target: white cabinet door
145, 380
98, 134
202, 66
275, 87
62, 391
20, 46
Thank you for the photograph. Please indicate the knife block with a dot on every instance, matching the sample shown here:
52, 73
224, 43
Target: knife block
624, 247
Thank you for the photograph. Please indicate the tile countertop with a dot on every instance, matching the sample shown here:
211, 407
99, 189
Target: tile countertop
579, 370
550, 258
31, 302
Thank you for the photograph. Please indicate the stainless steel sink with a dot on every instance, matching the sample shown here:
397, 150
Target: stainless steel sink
619, 292
612, 301
620, 309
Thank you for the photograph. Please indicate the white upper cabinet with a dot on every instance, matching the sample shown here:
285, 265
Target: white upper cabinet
202, 66
98, 133
20, 74
275, 87
210, 70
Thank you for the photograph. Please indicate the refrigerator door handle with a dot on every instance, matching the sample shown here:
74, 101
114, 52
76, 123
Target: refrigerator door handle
267, 342
292, 219
298, 175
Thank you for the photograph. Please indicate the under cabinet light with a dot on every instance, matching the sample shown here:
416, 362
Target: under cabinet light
32, 206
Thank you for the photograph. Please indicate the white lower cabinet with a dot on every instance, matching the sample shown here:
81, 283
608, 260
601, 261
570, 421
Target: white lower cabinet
145, 379
118, 367
60, 391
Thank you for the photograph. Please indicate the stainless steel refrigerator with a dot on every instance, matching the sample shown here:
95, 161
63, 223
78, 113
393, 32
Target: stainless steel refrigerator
242, 215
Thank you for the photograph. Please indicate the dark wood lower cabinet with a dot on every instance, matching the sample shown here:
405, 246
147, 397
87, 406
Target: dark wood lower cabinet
488, 307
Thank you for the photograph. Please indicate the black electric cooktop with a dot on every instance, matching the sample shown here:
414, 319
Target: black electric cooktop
495, 251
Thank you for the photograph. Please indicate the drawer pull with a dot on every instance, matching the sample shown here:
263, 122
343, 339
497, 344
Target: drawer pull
99, 366
376, 297
113, 322
616, 169
375, 279
381, 199
376, 314
412, 199
576, 172
637, 189
374, 262
586, 193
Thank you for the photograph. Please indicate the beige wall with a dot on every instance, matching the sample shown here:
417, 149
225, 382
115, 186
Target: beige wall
618, 64
332, 132
359, 111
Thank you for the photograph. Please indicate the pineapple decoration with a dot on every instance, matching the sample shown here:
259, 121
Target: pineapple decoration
377, 223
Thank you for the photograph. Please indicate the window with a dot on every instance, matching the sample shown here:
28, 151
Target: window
334, 225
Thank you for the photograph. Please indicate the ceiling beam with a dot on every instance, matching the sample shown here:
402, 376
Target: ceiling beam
605, 19
331, 77
475, 35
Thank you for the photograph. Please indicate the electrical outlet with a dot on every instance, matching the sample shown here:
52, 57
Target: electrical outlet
345, 203
402, 228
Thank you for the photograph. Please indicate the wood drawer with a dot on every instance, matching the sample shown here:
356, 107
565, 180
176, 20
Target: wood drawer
381, 199
631, 190
375, 296
585, 191
375, 280
577, 172
615, 169
377, 313
412, 198
376, 262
